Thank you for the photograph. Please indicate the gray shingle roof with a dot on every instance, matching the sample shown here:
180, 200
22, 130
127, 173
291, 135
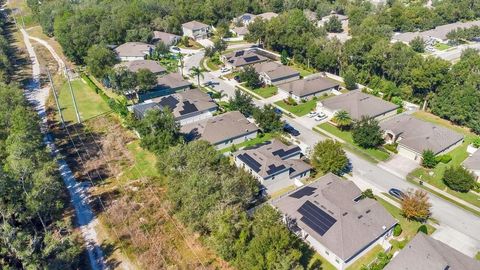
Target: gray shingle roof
244, 57
359, 104
194, 25
241, 31
473, 162
357, 223
171, 80
151, 65
220, 128
426, 253
166, 38
133, 49
439, 32
275, 70
419, 135
309, 86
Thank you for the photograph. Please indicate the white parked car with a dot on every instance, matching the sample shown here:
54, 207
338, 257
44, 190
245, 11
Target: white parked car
224, 69
320, 116
312, 114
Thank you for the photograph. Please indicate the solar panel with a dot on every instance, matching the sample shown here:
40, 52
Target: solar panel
273, 169
188, 108
239, 53
281, 152
168, 102
252, 163
251, 59
315, 218
306, 191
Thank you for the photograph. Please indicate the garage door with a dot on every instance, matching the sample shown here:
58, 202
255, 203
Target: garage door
407, 153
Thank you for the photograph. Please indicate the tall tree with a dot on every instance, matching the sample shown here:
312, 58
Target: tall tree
99, 60
415, 205
268, 119
328, 156
459, 179
342, 119
197, 72
367, 133
241, 102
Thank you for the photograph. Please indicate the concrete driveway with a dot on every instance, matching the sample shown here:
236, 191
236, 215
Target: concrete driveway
205, 42
457, 240
399, 165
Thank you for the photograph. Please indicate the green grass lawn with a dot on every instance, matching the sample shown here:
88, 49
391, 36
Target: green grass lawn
211, 65
300, 109
89, 103
303, 71
252, 142
442, 47
325, 265
366, 259
265, 92
376, 154
458, 155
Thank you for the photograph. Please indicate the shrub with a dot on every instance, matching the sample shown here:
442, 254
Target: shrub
391, 147
290, 101
428, 159
423, 228
476, 142
367, 133
397, 230
458, 179
443, 159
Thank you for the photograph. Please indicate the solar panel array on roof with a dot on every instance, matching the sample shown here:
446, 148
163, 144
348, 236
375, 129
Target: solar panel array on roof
252, 163
282, 153
188, 108
239, 53
169, 102
306, 191
273, 169
251, 59
315, 218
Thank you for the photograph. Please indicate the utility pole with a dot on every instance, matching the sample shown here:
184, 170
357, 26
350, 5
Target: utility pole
56, 98
73, 96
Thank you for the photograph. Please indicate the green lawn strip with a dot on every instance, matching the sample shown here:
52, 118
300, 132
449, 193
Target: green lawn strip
282, 191
249, 92
210, 64
409, 227
107, 91
458, 155
376, 154
303, 71
442, 47
252, 142
300, 109
325, 265
367, 258
88, 102
477, 256
265, 92
144, 162
409, 178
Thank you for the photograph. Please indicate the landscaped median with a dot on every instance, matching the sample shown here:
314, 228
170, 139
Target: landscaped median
373, 154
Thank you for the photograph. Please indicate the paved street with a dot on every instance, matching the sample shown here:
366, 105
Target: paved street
455, 53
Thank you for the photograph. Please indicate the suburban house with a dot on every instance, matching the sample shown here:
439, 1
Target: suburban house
166, 84
333, 217
136, 65
359, 104
438, 34
425, 253
307, 88
267, 16
222, 130
195, 30
167, 38
240, 31
131, 51
472, 163
275, 164
242, 58
273, 73
187, 107
415, 136
248, 18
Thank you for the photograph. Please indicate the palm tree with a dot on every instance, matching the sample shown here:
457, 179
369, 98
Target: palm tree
180, 61
342, 119
196, 72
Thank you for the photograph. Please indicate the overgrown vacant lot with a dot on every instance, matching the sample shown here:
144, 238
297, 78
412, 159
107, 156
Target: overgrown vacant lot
133, 211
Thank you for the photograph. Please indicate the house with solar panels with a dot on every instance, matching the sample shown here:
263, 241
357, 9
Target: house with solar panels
187, 107
242, 58
275, 164
331, 215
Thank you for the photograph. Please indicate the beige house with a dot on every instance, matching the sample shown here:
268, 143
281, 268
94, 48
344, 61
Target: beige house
332, 217
307, 88
222, 131
166, 38
359, 104
131, 51
196, 30
414, 136
273, 73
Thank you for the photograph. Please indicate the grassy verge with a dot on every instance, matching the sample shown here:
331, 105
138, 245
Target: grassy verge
366, 259
303, 71
442, 47
89, 104
434, 176
300, 109
376, 154
210, 64
265, 92
249, 143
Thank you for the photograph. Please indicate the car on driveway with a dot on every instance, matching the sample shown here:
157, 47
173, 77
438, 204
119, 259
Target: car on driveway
291, 130
224, 69
320, 116
174, 49
312, 114
396, 193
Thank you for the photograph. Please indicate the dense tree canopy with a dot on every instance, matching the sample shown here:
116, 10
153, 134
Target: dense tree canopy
328, 156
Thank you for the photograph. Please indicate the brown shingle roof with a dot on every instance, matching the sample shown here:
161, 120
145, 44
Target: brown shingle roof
194, 25
275, 70
171, 80
151, 65
308, 86
133, 49
164, 37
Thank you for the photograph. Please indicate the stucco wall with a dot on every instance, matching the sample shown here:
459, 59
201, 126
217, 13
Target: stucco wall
237, 140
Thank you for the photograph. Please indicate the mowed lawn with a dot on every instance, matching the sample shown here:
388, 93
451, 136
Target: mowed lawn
300, 109
89, 103
458, 155
374, 153
266, 92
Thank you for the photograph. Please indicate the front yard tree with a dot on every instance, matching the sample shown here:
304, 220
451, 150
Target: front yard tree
241, 102
158, 131
284, 57
328, 156
196, 72
428, 159
219, 45
99, 59
415, 205
268, 119
334, 25
350, 78
251, 77
342, 119
459, 179
123, 80
367, 133
146, 80
418, 44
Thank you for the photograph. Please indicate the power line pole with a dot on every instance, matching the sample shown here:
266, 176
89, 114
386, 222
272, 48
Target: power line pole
56, 97
73, 96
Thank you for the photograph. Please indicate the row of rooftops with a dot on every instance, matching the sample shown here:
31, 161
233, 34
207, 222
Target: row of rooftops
439, 32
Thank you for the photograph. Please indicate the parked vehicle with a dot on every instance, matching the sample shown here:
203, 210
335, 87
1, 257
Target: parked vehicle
174, 49
224, 69
396, 193
278, 111
320, 116
291, 130
312, 114
237, 78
